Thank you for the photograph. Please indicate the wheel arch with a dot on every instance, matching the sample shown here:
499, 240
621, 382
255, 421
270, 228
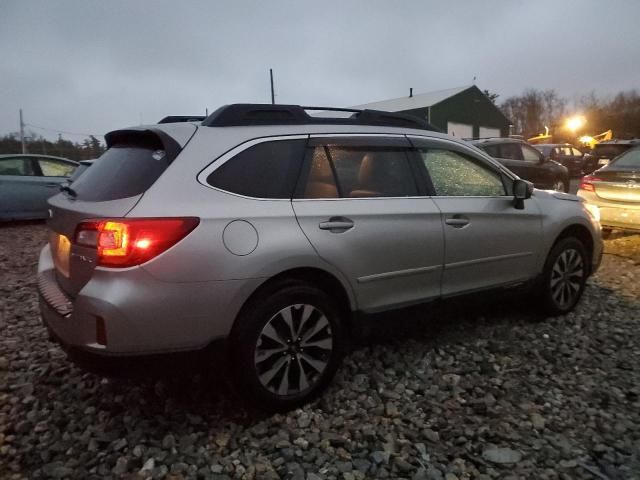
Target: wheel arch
581, 233
324, 280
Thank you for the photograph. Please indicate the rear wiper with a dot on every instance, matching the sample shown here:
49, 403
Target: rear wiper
69, 190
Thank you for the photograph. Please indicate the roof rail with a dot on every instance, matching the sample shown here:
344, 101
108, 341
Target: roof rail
182, 118
248, 114
470, 139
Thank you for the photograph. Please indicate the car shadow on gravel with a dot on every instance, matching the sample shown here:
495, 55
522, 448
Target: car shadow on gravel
441, 322
200, 386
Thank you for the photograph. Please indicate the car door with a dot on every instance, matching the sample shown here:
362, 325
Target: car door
488, 242
52, 174
360, 206
18, 188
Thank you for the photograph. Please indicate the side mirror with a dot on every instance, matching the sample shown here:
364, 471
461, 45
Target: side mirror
522, 190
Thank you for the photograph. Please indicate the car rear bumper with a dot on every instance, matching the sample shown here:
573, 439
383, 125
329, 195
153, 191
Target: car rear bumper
140, 315
615, 214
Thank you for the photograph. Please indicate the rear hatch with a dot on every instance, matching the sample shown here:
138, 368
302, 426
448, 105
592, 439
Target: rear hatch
618, 185
134, 160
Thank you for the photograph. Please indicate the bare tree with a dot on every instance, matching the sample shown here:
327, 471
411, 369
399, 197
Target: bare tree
533, 110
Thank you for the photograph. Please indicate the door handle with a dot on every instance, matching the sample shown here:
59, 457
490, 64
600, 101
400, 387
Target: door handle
337, 224
457, 221
52, 185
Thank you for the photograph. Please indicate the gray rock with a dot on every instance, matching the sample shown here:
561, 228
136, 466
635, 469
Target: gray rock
361, 464
380, 457
403, 465
537, 421
434, 474
168, 442
148, 466
501, 455
431, 435
122, 466
119, 444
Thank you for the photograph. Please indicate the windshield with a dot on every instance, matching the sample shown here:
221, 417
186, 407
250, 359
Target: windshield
631, 159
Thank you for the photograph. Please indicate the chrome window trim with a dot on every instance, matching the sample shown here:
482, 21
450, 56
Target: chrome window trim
333, 199
328, 135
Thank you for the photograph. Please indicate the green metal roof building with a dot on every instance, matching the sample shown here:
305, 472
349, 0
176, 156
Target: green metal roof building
464, 112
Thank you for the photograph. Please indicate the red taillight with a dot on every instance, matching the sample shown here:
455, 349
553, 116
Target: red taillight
587, 183
127, 242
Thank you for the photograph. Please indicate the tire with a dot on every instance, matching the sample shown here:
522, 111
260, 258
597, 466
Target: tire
564, 277
275, 370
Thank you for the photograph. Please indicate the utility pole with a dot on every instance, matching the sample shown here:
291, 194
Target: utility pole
24, 146
273, 97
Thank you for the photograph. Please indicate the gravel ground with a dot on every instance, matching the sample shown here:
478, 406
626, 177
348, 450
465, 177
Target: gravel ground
484, 391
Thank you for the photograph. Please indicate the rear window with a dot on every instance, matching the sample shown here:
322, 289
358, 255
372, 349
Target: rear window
122, 171
631, 159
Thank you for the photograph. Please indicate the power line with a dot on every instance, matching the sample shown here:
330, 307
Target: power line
55, 130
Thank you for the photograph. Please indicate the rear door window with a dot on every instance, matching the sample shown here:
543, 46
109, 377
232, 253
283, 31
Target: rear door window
359, 170
267, 170
510, 151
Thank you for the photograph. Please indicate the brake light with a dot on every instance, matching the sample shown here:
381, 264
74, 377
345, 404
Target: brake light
587, 183
125, 243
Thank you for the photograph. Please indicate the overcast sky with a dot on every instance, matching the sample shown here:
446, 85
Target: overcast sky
93, 66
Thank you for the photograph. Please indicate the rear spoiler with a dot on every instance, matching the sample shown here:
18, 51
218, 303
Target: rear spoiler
152, 138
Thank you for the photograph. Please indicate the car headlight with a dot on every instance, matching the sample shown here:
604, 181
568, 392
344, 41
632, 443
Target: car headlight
594, 211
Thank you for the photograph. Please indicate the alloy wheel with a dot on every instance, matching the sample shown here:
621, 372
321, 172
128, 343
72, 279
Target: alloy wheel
567, 276
293, 349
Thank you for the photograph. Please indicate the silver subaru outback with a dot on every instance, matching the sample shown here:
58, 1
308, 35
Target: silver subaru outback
269, 228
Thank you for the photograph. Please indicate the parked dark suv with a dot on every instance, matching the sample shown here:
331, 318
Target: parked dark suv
526, 162
576, 162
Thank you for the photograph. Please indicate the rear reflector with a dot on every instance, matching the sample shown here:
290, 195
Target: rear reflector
127, 242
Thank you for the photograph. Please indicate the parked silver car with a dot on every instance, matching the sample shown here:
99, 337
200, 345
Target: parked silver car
270, 228
612, 193
27, 181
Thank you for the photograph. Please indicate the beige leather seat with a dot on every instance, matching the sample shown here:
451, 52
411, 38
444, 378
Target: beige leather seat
370, 176
321, 182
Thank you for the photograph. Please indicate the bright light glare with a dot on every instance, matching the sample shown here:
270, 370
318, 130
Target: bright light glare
575, 123
143, 243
